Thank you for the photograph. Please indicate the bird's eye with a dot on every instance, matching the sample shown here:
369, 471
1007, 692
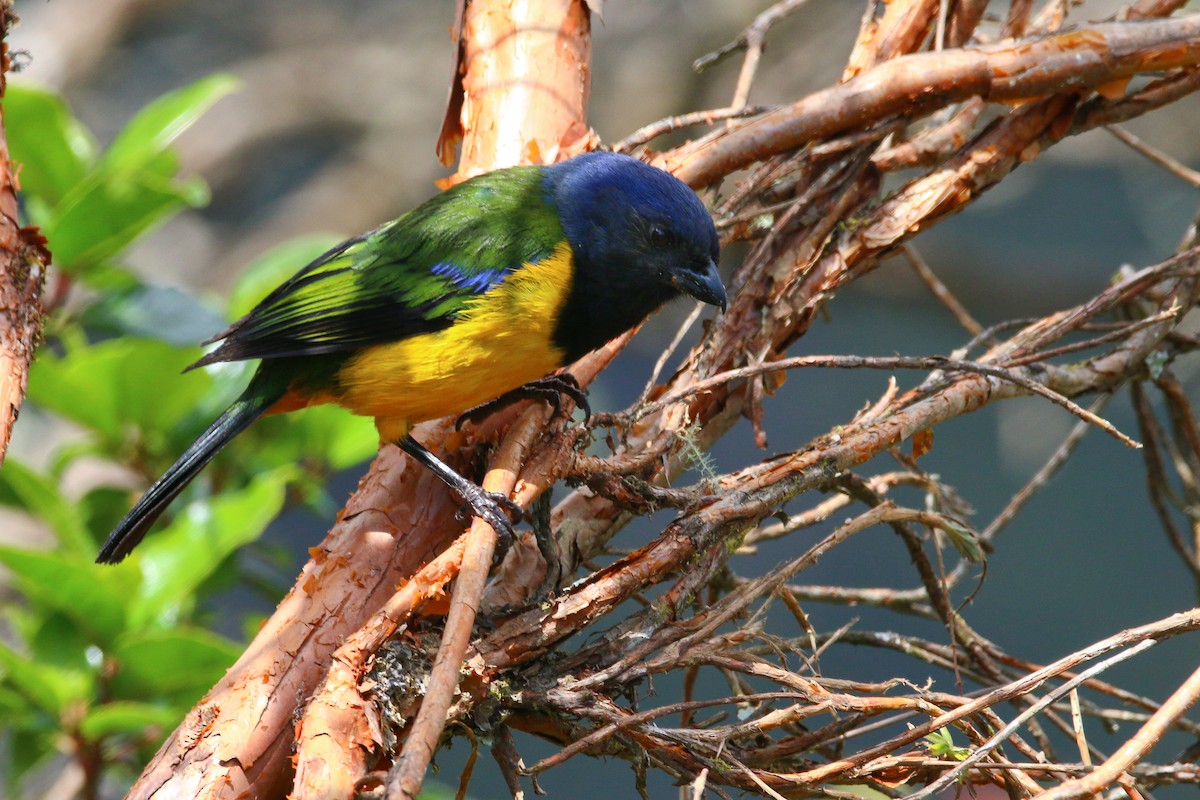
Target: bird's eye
659, 236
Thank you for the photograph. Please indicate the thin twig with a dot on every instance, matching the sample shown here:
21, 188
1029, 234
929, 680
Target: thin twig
751, 37
766, 211
666, 125
1018, 18
1135, 747
1183, 422
600, 734
409, 771
940, 290
998, 738
1159, 157
1122, 331
1173, 625
670, 349
1043, 475
1156, 480
754, 777
755, 40
933, 363
934, 143
1077, 723
939, 30
921, 83
504, 750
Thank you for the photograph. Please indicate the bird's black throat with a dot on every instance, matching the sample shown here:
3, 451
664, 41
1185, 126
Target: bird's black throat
605, 300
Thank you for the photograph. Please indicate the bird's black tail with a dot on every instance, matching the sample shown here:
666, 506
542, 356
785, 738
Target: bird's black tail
131, 530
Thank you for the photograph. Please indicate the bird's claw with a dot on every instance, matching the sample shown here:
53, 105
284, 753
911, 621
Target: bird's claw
548, 389
498, 511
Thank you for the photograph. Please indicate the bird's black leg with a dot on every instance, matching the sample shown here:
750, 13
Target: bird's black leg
491, 507
539, 515
546, 389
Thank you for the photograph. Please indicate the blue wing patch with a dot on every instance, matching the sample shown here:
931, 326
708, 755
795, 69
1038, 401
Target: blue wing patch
476, 281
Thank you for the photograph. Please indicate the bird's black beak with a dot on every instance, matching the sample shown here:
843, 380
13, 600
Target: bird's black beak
705, 286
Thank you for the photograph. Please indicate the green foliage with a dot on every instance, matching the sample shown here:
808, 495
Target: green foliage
122, 380
53, 148
107, 659
940, 744
90, 205
695, 455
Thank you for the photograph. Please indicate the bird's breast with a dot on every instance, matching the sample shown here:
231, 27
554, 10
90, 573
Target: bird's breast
503, 339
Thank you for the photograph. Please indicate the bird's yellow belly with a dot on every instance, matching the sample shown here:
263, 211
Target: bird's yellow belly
503, 341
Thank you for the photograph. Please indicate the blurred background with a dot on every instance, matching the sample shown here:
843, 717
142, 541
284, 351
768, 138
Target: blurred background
333, 131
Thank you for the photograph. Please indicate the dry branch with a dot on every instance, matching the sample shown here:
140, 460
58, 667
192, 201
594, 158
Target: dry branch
918, 84
1135, 748
817, 220
23, 262
763, 488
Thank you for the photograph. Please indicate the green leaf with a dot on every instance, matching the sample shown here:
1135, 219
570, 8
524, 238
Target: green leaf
21, 620
51, 688
864, 791
106, 211
181, 664
325, 433
128, 717
157, 125
965, 541
128, 383
70, 451
109, 277
30, 749
78, 590
54, 150
90, 210
15, 708
60, 641
343, 439
182, 556
38, 495
273, 268
940, 744
102, 508
157, 312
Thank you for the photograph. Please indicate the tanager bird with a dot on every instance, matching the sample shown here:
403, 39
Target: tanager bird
489, 286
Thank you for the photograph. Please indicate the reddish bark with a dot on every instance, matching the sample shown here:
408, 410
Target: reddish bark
23, 262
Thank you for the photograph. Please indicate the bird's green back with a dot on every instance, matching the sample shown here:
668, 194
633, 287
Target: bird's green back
409, 276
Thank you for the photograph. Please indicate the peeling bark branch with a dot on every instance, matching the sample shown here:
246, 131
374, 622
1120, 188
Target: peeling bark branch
915, 85
521, 92
23, 262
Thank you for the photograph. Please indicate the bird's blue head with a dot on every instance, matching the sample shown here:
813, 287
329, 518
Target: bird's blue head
639, 236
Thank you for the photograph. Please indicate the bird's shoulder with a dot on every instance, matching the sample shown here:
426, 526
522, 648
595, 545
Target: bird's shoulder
472, 234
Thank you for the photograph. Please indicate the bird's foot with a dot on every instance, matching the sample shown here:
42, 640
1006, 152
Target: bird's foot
496, 510
548, 389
